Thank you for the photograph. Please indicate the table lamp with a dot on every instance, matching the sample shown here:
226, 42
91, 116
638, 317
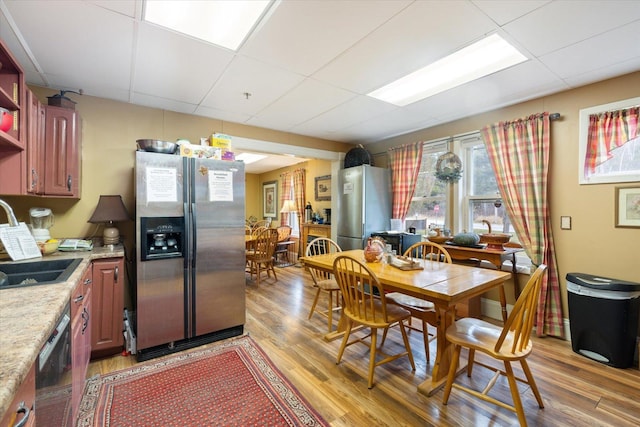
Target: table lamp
110, 209
288, 207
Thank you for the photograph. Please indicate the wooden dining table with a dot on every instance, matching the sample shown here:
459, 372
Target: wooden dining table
443, 284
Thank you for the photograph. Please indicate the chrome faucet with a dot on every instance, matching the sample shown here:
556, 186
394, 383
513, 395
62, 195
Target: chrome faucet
13, 221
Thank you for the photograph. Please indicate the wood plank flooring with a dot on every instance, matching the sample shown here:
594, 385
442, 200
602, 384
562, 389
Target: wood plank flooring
576, 391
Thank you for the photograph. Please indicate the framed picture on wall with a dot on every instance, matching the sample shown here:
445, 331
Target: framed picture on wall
270, 199
628, 207
323, 187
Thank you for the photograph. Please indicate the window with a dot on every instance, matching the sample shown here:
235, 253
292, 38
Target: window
621, 164
477, 194
428, 206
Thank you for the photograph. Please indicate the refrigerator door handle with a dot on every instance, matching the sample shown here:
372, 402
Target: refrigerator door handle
193, 224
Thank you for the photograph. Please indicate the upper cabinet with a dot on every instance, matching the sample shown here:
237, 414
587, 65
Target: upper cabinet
61, 152
40, 155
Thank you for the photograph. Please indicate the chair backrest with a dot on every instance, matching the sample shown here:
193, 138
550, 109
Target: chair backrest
428, 250
361, 290
257, 230
265, 243
262, 223
247, 229
320, 246
284, 233
520, 321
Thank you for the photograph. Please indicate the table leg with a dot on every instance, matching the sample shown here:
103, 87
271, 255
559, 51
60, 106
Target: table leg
514, 275
446, 317
503, 303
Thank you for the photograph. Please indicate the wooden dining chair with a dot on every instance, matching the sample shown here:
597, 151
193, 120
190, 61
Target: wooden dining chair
324, 281
364, 303
421, 309
260, 256
509, 343
282, 248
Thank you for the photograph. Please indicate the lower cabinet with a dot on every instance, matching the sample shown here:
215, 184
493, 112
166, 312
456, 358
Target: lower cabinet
107, 298
80, 338
22, 407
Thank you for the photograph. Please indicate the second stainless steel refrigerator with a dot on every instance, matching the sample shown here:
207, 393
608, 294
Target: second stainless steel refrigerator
364, 204
190, 252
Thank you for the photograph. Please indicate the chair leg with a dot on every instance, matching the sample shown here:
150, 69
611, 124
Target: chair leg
372, 355
515, 394
472, 355
405, 338
330, 310
532, 382
455, 360
315, 302
425, 333
345, 339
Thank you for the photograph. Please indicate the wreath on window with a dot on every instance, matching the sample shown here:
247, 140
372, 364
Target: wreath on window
449, 168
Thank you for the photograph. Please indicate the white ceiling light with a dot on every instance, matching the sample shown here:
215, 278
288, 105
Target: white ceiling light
224, 23
250, 157
480, 59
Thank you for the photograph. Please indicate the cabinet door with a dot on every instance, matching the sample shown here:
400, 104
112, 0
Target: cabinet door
35, 145
107, 307
80, 338
23, 403
62, 152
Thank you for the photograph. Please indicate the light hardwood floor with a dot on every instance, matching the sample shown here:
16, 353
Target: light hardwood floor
576, 391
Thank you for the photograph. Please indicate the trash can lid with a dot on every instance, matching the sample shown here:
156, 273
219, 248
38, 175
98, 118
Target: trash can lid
603, 283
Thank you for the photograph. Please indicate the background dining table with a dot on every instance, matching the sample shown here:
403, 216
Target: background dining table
443, 284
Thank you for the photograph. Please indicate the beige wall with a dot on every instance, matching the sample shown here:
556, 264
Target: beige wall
593, 245
109, 133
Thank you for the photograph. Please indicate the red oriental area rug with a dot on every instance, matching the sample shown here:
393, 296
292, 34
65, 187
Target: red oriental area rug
232, 383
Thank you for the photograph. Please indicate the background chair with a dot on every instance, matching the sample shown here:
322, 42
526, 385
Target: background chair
324, 281
282, 245
364, 303
419, 308
508, 344
260, 256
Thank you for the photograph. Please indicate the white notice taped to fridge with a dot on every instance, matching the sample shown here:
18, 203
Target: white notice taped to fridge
162, 185
19, 242
220, 186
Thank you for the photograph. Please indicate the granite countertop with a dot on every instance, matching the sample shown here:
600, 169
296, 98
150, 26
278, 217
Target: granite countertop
27, 317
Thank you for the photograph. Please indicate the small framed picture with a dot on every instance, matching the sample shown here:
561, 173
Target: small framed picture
270, 199
628, 207
323, 187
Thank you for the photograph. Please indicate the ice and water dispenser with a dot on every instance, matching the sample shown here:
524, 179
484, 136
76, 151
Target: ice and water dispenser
161, 237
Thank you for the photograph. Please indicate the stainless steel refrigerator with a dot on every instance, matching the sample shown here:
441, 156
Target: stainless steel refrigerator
364, 204
190, 257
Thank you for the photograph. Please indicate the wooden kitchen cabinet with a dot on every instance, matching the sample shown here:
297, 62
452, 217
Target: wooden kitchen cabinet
61, 152
12, 142
35, 144
107, 306
314, 230
23, 403
80, 337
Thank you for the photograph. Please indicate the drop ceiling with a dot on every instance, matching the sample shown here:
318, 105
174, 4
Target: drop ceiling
308, 66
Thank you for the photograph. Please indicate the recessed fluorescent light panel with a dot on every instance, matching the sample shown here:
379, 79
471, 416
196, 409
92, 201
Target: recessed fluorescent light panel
480, 59
250, 157
224, 23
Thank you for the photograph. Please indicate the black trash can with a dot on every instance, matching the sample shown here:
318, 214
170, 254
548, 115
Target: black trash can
603, 316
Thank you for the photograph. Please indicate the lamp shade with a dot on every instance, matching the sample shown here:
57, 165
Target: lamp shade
110, 209
288, 206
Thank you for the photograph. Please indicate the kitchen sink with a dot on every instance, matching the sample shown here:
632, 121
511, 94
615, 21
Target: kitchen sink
37, 272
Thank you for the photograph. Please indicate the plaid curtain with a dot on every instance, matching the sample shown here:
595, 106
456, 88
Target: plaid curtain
608, 131
285, 190
295, 179
299, 196
519, 155
405, 165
